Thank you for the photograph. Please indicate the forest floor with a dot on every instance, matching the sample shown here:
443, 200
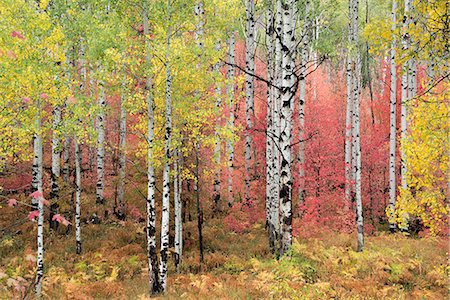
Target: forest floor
236, 266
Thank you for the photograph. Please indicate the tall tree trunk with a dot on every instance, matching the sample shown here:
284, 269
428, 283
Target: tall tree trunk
100, 187
287, 95
393, 124
177, 186
275, 191
121, 205
349, 119
405, 89
301, 106
230, 120
166, 171
37, 178
56, 167
154, 287
270, 42
250, 47
77, 195
218, 142
356, 75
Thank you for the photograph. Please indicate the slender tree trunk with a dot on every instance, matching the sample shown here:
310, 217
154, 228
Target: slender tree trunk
301, 106
356, 75
270, 42
275, 191
405, 81
393, 125
349, 120
218, 142
154, 287
287, 96
121, 205
250, 47
230, 120
177, 185
199, 204
100, 187
166, 170
77, 195
56, 167
37, 167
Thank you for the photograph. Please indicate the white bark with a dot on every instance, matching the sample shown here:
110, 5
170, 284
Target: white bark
55, 152
230, 120
250, 47
100, 187
287, 96
349, 158
218, 142
270, 136
77, 195
166, 171
275, 191
151, 214
38, 201
405, 81
356, 75
122, 155
393, 123
301, 106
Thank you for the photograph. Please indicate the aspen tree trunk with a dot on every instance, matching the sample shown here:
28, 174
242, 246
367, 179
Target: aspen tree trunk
301, 106
177, 186
100, 187
77, 195
349, 119
270, 42
250, 47
393, 124
218, 143
154, 287
56, 167
230, 120
121, 206
91, 150
166, 171
65, 158
287, 96
356, 70
275, 191
405, 81
38, 201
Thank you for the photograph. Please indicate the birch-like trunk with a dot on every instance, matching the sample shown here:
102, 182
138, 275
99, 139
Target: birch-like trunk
230, 120
250, 47
270, 42
218, 142
56, 167
274, 235
301, 106
37, 177
77, 195
405, 92
356, 75
393, 124
287, 96
121, 206
177, 186
154, 287
349, 119
100, 187
166, 170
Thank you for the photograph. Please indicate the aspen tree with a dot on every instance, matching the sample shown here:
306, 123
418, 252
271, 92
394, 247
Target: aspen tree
230, 120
